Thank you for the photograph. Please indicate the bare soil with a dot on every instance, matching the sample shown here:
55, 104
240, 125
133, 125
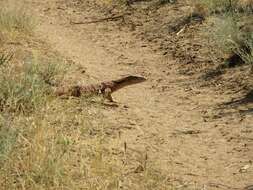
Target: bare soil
200, 132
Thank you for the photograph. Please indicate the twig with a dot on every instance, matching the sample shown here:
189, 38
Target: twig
219, 185
181, 30
188, 132
101, 19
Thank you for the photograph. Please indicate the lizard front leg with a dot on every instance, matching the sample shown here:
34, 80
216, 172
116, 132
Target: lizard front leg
108, 94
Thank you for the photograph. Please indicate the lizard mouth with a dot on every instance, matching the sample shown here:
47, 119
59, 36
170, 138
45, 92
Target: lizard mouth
135, 79
139, 79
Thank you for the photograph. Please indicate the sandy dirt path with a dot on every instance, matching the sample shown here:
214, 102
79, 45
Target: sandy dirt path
168, 116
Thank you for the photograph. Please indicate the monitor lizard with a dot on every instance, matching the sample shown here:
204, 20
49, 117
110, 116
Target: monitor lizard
103, 88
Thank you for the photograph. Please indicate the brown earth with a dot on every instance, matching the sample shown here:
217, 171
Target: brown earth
200, 137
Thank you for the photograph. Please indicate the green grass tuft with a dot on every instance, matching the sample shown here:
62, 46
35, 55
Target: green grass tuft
28, 88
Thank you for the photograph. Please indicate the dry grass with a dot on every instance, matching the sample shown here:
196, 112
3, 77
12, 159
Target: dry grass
64, 144
49, 143
218, 5
13, 17
224, 6
62, 147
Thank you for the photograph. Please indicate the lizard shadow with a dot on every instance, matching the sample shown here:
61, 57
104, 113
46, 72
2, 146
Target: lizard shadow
110, 104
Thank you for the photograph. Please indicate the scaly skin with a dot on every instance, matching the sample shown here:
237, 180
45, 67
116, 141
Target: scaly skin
104, 88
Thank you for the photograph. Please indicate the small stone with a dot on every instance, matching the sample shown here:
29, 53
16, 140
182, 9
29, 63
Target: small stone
139, 169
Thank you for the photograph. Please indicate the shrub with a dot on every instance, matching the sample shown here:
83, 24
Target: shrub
232, 39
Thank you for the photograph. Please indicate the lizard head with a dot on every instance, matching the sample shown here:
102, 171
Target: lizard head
135, 79
130, 79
